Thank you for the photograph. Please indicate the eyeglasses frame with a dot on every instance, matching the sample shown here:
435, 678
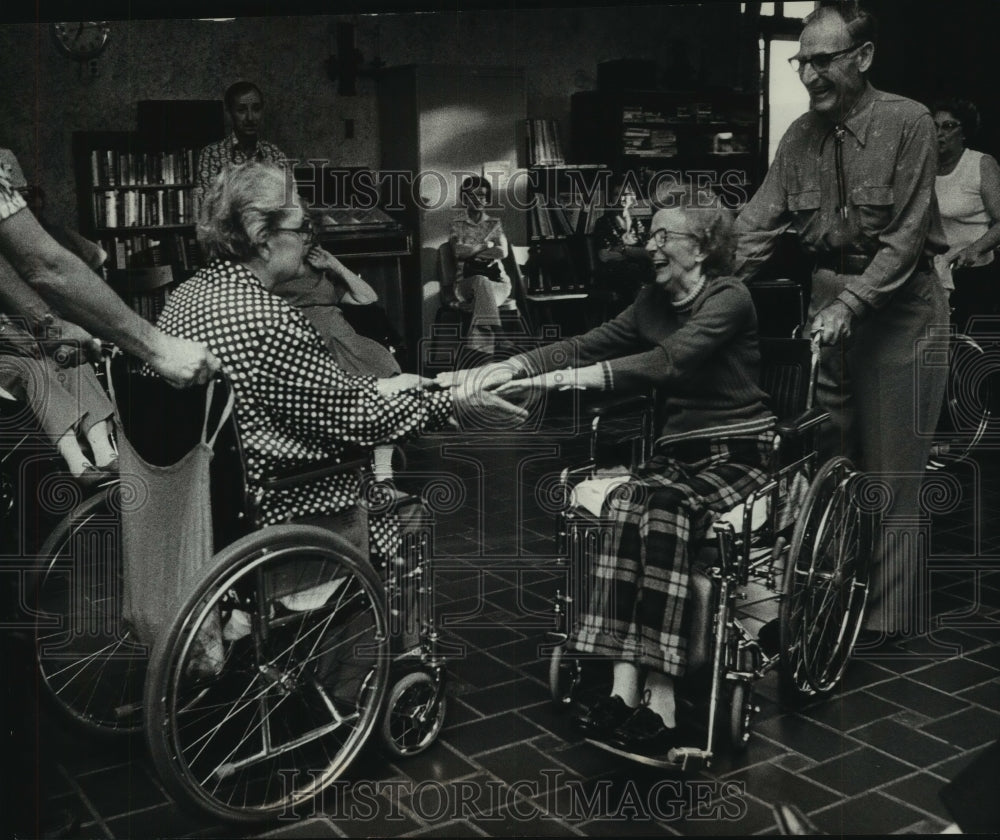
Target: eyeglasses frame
826, 59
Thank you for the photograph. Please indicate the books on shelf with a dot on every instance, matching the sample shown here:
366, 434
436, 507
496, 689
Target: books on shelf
148, 250
126, 207
544, 147
114, 168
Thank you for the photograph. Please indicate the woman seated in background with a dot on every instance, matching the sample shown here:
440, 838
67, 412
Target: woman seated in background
693, 335
319, 290
295, 406
480, 247
968, 196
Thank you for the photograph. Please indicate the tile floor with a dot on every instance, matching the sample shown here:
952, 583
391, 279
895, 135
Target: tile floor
869, 760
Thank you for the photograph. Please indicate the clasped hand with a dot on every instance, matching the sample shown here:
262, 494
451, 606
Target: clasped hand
473, 394
832, 324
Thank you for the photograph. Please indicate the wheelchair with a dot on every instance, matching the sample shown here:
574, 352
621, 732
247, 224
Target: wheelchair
277, 667
806, 535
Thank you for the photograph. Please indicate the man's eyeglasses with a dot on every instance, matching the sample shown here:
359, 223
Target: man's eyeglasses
820, 62
661, 236
947, 125
306, 231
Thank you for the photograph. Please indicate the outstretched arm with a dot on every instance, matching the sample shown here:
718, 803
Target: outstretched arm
76, 293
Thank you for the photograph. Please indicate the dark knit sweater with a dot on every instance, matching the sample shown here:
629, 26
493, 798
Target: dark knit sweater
703, 359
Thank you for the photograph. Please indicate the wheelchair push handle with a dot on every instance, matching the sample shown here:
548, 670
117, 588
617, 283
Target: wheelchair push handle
814, 346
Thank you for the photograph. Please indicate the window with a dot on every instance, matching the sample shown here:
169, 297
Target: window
787, 10
786, 95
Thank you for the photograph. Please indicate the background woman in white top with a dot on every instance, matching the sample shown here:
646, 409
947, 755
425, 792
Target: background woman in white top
968, 194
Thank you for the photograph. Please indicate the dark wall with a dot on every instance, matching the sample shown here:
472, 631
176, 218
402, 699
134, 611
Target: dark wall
933, 50
47, 96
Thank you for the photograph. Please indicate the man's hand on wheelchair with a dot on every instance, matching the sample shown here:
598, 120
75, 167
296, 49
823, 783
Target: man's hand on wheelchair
69, 345
832, 324
182, 362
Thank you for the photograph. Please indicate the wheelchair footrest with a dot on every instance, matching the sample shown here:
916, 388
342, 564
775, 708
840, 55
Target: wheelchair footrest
683, 758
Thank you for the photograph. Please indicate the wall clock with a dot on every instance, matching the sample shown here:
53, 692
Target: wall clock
81, 40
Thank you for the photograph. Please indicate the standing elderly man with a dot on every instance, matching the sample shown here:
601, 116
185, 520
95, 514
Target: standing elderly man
245, 105
854, 176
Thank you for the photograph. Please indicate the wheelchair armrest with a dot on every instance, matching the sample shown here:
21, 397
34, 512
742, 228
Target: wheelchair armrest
615, 404
294, 476
805, 421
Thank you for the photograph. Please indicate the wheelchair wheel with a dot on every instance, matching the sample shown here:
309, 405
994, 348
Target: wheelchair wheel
826, 584
564, 676
271, 677
741, 710
968, 402
414, 714
90, 667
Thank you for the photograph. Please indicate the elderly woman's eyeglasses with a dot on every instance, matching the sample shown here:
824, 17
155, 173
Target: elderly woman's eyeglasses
306, 231
947, 125
820, 62
661, 236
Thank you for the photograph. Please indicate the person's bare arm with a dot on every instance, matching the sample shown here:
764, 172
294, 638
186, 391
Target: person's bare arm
80, 296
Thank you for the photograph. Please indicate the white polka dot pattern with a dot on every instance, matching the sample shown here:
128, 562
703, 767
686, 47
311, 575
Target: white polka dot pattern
294, 406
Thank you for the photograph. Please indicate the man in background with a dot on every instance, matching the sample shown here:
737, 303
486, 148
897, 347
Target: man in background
245, 106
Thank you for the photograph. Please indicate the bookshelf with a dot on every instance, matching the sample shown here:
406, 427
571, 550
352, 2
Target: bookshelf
564, 202
709, 137
135, 195
138, 203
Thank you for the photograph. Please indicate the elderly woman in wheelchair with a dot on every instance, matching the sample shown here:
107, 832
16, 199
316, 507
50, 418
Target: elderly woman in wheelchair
721, 467
692, 334
269, 669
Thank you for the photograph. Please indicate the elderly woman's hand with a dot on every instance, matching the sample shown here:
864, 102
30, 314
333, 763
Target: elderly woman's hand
402, 382
554, 380
323, 260
487, 377
478, 409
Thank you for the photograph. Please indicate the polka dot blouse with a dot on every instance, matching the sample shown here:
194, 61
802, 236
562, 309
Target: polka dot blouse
294, 406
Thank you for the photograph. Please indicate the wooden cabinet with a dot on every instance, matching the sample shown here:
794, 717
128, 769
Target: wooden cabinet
708, 138
437, 125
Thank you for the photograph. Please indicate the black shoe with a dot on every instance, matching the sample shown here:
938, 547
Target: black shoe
602, 718
644, 733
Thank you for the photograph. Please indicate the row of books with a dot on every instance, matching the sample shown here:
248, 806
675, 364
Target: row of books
146, 251
150, 306
649, 142
544, 147
112, 168
685, 112
144, 208
568, 217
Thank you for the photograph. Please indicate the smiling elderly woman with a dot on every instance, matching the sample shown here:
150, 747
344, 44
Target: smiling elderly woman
295, 407
693, 335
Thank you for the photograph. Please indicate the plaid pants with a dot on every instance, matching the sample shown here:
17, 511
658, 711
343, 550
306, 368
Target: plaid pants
640, 582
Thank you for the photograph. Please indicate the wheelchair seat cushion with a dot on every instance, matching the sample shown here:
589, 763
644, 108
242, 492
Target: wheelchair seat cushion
590, 495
